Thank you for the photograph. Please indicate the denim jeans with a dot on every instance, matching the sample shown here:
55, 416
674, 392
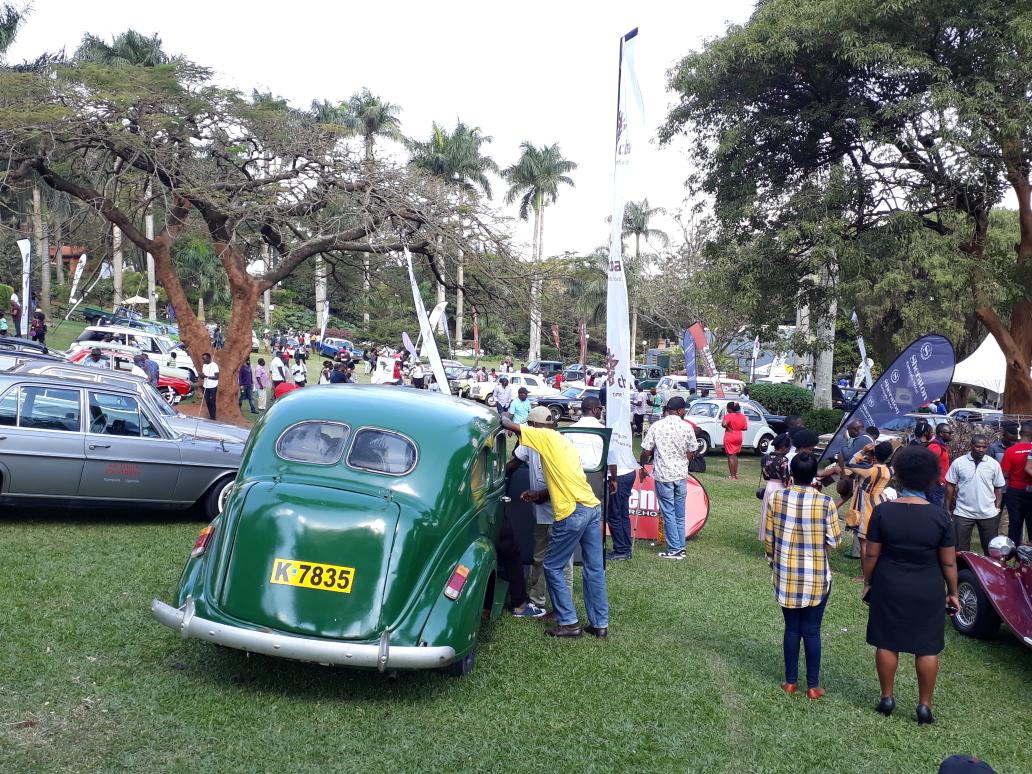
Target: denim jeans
245, 394
671, 496
537, 587
805, 623
584, 527
620, 513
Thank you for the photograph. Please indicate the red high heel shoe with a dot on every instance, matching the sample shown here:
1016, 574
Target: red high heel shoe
814, 693
789, 687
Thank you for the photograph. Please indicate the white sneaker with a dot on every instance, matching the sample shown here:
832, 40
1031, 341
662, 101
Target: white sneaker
671, 554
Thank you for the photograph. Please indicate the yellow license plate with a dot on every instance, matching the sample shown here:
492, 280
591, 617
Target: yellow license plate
311, 575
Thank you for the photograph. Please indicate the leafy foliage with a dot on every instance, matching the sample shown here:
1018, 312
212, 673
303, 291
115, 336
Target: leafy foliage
822, 420
782, 398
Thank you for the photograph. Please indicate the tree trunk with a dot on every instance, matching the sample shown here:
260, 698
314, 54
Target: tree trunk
59, 265
200, 309
116, 265
804, 363
366, 287
42, 260
267, 295
460, 277
824, 368
1017, 342
634, 333
152, 308
321, 312
534, 344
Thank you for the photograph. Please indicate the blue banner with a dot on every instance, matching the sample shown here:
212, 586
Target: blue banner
922, 373
688, 343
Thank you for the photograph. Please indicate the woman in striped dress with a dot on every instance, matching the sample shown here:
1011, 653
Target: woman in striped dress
870, 466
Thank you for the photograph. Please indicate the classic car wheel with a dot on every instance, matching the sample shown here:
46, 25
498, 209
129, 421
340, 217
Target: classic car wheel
463, 666
764, 445
557, 413
703, 444
170, 396
976, 617
490, 400
216, 497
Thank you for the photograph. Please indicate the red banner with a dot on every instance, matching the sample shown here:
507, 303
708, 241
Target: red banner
698, 334
646, 521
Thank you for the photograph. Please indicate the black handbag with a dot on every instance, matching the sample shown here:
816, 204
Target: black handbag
697, 464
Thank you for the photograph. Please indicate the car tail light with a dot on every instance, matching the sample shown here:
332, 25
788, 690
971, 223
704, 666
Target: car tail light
202, 541
457, 581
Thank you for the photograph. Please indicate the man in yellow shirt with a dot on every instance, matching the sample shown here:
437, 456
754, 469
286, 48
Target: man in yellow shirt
578, 515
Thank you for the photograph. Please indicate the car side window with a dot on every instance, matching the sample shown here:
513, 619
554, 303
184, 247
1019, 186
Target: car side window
316, 442
50, 408
9, 408
382, 451
500, 459
751, 414
112, 414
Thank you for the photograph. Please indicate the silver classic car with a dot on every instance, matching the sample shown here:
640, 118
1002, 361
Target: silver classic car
87, 443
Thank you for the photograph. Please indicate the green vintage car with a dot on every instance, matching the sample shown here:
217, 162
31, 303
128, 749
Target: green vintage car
360, 531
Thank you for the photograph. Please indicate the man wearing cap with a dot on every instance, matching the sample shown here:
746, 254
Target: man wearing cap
96, 360
670, 444
578, 516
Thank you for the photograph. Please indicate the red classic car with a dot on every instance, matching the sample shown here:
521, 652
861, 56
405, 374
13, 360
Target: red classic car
172, 388
995, 588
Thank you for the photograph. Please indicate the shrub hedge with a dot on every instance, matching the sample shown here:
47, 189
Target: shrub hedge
823, 420
5, 297
782, 398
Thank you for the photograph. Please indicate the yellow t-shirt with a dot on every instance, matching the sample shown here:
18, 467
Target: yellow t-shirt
561, 463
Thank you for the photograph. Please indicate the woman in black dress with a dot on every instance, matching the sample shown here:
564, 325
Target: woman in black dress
910, 576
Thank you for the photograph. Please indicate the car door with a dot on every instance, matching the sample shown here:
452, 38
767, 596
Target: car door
756, 423
41, 440
127, 457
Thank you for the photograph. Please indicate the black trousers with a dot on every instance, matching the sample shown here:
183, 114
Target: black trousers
209, 400
512, 564
1019, 514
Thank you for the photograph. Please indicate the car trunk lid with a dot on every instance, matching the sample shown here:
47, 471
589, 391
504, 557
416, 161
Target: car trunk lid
286, 531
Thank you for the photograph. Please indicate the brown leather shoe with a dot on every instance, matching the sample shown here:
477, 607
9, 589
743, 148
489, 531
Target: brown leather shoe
599, 631
565, 630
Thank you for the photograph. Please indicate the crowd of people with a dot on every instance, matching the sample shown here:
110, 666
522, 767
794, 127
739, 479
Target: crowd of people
37, 320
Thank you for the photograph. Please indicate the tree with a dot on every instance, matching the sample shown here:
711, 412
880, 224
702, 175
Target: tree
534, 180
925, 103
128, 49
205, 151
456, 160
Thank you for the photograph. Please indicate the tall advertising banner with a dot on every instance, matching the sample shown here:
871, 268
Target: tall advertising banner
702, 346
26, 295
80, 267
618, 326
690, 367
429, 342
865, 362
920, 374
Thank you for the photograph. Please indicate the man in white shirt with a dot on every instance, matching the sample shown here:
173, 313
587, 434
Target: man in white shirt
621, 480
670, 444
278, 369
502, 395
211, 382
417, 375
974, 493
640, 406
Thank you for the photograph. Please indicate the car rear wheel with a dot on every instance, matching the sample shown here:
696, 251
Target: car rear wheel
490, 400
976, 617
763, 445
463, 666
557, 413
703, 445
215, 499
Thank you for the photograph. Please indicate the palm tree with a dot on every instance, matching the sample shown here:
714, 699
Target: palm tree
10, 21
534, 180
129, 49
636, 219
370, 117
455, 160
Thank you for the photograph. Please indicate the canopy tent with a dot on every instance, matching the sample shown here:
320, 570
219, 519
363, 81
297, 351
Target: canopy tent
986, 367
135, 300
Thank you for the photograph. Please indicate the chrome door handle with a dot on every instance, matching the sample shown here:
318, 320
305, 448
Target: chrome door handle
505, 499
3, 437
100, 446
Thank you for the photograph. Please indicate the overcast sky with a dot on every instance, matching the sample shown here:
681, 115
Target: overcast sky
543, 72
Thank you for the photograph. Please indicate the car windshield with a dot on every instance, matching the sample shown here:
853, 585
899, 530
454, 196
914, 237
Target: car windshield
382, 451
700, 409
759, 407
158, 401
570, 392
900, 424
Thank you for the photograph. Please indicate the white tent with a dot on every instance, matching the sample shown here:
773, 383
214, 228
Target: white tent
986, 367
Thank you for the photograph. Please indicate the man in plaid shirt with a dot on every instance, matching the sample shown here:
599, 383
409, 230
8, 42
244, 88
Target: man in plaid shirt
801, 524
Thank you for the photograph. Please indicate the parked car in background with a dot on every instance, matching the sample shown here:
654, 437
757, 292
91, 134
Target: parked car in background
173, 383
575, 376
567, 404
332, 347
977, 416
846, 398
706, 415
537, 387
87, 443
460, 379
677, 385
161, 349
547, 368
9, 345
995, 588
647, 376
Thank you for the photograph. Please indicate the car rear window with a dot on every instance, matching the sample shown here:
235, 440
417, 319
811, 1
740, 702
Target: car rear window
703, 409
382, 451
316, 442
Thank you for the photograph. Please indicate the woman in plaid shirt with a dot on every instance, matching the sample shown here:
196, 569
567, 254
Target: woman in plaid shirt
801, 524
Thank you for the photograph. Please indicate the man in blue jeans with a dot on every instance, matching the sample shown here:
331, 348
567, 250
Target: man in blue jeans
578, 515
670, 444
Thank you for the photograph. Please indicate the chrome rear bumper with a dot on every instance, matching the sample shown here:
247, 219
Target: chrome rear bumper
381, 656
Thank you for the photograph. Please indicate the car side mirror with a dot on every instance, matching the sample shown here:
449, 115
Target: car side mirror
1001, 547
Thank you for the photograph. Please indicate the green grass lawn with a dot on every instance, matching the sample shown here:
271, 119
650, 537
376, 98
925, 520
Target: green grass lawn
688, 681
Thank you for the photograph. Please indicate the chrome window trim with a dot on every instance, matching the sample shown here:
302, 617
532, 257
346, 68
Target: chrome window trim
404, 437
343, 446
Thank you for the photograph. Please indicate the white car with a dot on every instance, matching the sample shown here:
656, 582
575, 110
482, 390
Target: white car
707, 414
537, 387
158, 348
676, 385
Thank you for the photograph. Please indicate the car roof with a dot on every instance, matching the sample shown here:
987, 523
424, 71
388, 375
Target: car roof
67, 372
113, 346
